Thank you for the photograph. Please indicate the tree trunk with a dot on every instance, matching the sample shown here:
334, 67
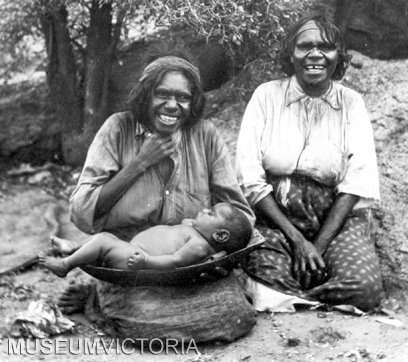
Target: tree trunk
63, 85
79, 116
102, 42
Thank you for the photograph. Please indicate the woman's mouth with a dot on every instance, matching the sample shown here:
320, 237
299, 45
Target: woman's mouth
168, 120
314, 68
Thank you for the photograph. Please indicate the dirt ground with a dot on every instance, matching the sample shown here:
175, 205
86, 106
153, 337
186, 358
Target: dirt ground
303, 336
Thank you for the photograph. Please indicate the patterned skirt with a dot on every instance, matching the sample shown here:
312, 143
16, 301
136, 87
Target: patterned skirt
353, 273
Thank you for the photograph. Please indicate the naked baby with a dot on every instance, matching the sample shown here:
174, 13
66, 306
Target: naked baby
221, 228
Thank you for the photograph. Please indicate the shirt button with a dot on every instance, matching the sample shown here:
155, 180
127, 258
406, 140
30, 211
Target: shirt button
167, 192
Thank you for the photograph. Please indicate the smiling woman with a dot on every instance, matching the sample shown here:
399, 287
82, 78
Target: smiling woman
155, 165
171, 103
307, 165
314, 60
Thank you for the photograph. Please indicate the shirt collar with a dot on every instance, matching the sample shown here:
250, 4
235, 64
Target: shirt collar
295, 93
140, 129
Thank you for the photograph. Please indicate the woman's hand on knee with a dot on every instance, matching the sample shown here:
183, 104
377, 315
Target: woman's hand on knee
307, 261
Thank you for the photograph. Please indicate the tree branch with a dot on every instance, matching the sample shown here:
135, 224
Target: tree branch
117, 30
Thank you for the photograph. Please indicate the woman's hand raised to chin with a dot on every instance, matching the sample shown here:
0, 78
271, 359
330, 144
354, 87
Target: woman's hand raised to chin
154, 149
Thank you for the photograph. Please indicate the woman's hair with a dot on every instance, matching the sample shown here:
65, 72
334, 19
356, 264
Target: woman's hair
328, 32
140, 96
240, 230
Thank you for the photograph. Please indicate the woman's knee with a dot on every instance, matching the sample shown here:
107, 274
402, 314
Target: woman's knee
371, 294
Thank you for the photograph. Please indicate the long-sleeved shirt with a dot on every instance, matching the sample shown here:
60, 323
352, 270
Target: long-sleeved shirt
328, 138
202, 176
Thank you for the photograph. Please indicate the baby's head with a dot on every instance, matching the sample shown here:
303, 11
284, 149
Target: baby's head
224, 226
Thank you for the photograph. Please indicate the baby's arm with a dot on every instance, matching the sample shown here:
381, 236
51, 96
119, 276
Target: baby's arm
137, 260
194, 251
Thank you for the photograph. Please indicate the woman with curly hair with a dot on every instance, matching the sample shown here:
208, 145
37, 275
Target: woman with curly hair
157, 164
307, 165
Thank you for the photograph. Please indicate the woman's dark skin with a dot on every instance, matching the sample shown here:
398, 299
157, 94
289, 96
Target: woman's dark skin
170, 99
154, 149
308, 264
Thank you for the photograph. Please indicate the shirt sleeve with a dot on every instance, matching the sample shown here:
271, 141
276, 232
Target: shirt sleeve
249, 165
101, 164
223, 182
361, 176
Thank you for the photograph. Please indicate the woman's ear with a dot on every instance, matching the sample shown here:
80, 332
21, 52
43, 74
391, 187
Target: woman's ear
221, 236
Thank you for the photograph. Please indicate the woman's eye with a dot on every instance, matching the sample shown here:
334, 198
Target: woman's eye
183, 97
327, 47
304, 47
161, 94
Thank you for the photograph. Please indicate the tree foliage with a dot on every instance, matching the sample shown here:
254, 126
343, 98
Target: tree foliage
20, 36
80, 39
250, 29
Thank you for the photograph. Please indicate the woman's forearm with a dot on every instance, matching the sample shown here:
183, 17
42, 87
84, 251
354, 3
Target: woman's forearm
335, 220
114, 189
306, 257
275, 218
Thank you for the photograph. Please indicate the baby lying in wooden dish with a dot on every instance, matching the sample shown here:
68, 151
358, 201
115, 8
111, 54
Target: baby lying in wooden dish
221, 228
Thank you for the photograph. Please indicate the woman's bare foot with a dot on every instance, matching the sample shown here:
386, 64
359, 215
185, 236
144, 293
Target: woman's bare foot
74, 298
62, 246
57, 266
136, 261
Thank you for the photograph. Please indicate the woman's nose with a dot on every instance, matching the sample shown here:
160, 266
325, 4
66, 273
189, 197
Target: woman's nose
171, 103
315, 52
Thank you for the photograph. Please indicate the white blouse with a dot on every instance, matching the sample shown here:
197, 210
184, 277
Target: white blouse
328, 138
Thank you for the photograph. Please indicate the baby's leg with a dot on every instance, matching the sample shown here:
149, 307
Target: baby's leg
57, 266
103, 249
61, 246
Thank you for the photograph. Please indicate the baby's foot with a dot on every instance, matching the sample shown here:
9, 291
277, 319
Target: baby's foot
57, 266
136, 261
62, 246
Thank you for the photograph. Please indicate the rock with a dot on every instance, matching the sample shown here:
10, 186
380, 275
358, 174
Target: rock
375, 28
29, 132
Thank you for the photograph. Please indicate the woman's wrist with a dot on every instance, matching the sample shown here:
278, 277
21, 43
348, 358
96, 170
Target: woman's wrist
321, 245
137, 167
276, 219
292, 235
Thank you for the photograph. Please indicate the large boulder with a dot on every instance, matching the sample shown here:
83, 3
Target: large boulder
378, 28
29, 133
